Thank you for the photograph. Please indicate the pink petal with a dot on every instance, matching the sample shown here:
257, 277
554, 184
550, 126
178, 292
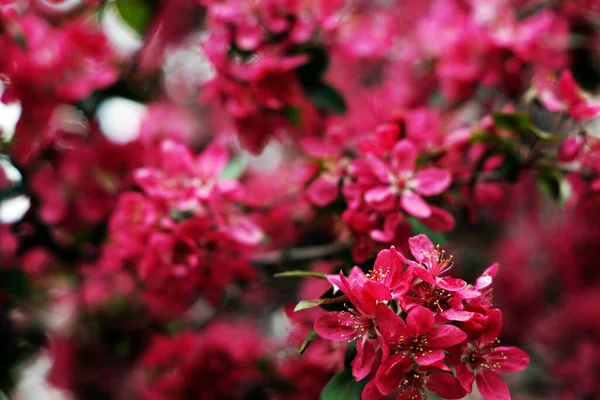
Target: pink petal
364, 359
493, 325
465, 375
378, 168
420, 246
381, 236
213, 160
452, 314
568, 89
445, 336
323, 191
246, 232
391, 326
423, 274
451, 284
491, 386
510, 359
414, 204
391, 372
446, 386
419, 321
486, 278
371, 392
431, 181
381, 198
338, 325
429, 356
404, 155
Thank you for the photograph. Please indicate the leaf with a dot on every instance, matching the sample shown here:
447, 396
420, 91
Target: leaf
350, 354
312, 335
514, 122
418, 228
543, 135
135, 13
554, 185
293, 114
314, 69
325, 97
343, 387
521, 123
304, 304
300, 274
234, 169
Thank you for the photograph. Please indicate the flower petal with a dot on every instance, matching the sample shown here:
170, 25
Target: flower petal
452, 314
420, 246
431, 181
338, 325
391, 372
414, 204
381, 198
323, 191
445, 336
446, 386
419, 321
404, 155
451, 284
364, 359
465, 375
391, 326
213, 160
491, 386
429, 356
508, 359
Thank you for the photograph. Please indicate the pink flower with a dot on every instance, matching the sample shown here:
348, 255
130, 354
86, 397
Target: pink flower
399, 179
431, 264
565, 96
184, 180
399, 372
417, 336
482, 360
356, 323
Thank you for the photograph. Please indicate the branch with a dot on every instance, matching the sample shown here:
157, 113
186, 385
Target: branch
308, 253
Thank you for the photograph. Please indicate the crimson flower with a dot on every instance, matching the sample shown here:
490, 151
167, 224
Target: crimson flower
482, 360
356, 323
398, 178
418, 336
399, 372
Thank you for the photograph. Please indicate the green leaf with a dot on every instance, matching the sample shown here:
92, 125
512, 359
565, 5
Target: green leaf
314, 69
543, 135
293, 114
325, 97
343, 387
234, 169
300, 274
179, 215
350, 353
554, 185
418, 228
312, 335
136, 13
304, 304
514, 122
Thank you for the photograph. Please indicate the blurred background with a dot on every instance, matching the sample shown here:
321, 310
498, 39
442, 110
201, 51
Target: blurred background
161, 160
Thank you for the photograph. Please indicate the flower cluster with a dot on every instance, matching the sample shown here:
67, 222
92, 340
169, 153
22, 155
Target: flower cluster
417, 329
221, 362
184, 233
256, 49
